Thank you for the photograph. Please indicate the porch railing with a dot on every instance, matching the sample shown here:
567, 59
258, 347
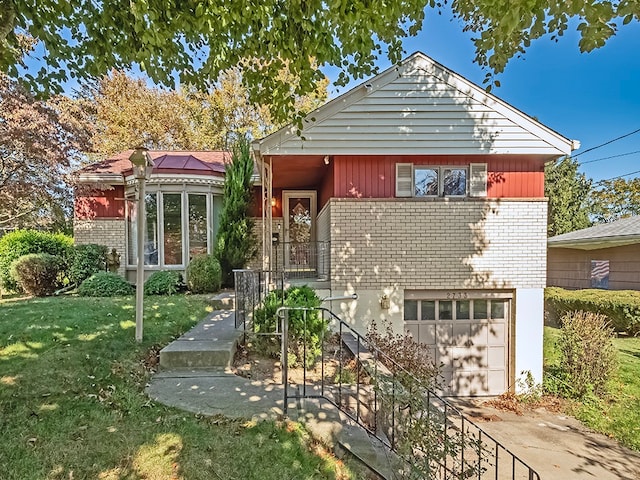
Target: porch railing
302, 260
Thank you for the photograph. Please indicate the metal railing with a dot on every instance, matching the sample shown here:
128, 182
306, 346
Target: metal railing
302, 260
432, 437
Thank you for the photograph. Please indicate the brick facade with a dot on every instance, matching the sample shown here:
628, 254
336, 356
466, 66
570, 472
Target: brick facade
103, 231
438, 244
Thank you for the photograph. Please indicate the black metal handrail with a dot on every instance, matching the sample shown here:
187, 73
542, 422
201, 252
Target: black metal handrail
393, 405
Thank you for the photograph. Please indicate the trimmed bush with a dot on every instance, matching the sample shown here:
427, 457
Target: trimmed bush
311, 331
163, 283
87, 260
204, 274
587, 354
621, 307
15, 244
36, 273
105, 284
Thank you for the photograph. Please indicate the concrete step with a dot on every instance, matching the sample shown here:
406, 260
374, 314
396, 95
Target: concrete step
210, 344
223, 300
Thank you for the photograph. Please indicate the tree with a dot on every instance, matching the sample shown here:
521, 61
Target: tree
568, 193
614, 199
38, 142
121, 112
197, 40
236, 242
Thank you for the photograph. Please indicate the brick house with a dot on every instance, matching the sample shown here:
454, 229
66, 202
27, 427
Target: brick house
423, 194
183, 202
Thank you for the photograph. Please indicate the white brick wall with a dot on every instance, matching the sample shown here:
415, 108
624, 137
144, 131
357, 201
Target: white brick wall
103, 231
438, 244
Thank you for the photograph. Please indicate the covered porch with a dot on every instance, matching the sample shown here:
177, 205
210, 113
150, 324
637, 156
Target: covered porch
294, 219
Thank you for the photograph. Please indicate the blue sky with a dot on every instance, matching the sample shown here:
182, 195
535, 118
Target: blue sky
591, 97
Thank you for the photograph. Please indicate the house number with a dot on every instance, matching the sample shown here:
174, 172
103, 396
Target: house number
457, 295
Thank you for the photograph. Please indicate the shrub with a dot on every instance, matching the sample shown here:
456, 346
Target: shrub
587, 354
204, 274
23, 242
406, 355
236, 242
36, 273
105, 284
310, 329
163, 283
621, 307
87, 260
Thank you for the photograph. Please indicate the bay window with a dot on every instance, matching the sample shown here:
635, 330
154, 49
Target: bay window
180, 225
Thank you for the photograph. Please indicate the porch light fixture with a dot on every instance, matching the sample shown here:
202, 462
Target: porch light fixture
142, 166
326, 159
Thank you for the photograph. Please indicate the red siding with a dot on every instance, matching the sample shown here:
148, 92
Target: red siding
256, 208
100, 204
327, 186
374, 176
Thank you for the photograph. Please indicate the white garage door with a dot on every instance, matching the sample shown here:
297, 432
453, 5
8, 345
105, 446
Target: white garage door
467, 336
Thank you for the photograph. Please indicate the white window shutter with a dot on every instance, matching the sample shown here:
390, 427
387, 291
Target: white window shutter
478, 180
404, 180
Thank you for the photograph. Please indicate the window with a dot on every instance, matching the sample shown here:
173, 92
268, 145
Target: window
426, 182
150, 237
438, 182
435, 181
179, 226
454, 182
197, 225
455, 310
172, 228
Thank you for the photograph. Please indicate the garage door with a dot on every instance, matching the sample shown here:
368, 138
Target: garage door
467, 336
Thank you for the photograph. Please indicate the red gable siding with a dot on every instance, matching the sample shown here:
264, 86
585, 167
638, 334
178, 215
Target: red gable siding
374, 176
100, 204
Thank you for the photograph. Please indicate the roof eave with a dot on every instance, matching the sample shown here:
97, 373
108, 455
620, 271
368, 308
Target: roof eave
595, 243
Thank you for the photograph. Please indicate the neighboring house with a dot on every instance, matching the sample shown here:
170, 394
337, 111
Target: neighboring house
423, 194
604, 256
183, 202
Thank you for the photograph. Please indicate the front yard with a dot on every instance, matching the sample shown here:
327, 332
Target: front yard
72, 403
619, 415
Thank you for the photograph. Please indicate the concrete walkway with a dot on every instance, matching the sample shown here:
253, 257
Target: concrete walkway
556, 446
195, 376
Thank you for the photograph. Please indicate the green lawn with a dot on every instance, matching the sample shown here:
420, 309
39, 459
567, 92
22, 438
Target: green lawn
72, 403
619, 415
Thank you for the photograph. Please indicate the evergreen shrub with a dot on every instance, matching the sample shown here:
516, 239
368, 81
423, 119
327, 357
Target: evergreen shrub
164, 283
37, 273
311, 329
15, 244
621, 307
204, 274
105, 284
87, 260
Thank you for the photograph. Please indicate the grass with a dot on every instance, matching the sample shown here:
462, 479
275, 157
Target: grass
72, 402
618, 415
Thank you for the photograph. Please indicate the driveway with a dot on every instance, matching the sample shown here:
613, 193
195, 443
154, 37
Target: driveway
555, 445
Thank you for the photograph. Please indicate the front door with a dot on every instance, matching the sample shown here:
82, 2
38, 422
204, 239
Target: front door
299, 212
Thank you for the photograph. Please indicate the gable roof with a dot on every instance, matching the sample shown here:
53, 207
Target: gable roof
184, 162
625, 231
417, 107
